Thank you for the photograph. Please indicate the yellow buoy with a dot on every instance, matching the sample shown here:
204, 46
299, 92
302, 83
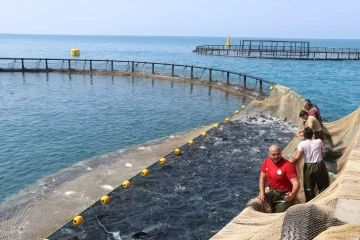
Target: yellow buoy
237, 112
144, 172
191, 142
105, 199
243, 106
216, 125
75, 52
271, 87
126, 184
162, 161
78, 220
228, 42
177, 151
204, 134
227, 119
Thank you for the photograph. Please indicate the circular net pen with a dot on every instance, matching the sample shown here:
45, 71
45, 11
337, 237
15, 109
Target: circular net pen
201, 187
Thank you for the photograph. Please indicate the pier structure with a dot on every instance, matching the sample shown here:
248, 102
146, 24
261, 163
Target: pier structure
274, 49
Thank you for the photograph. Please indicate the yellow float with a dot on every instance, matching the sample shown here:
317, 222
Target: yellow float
126, 184
78, 220
144, 172
162, 161
75, 52
105, 199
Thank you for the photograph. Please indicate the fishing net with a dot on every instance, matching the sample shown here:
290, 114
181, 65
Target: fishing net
333, 214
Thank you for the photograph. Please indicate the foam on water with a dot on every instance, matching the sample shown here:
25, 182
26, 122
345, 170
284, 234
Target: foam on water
145, 148
107, 187
68, 193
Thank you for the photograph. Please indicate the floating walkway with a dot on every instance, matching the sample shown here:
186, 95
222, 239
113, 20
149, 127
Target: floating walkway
271, 49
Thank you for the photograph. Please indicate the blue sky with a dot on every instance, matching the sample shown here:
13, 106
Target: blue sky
240, 18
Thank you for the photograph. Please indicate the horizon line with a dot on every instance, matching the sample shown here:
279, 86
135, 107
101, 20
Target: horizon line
185, 36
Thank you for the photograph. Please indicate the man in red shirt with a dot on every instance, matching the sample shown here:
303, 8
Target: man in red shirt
282, 180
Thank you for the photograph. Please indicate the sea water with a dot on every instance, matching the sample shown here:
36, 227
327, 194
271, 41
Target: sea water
48, 123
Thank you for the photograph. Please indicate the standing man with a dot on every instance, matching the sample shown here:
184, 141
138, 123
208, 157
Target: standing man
315, 171
282, 180
312, 123
312, 110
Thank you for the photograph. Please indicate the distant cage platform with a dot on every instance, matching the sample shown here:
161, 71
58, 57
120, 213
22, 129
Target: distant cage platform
274, 49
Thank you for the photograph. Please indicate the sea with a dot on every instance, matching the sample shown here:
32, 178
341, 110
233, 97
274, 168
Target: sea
49, 123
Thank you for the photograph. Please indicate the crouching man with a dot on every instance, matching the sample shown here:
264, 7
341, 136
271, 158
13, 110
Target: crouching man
282, 180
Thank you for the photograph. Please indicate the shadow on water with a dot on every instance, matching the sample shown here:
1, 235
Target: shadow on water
194, 194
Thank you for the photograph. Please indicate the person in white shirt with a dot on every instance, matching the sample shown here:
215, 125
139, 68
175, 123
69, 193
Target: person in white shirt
315, 171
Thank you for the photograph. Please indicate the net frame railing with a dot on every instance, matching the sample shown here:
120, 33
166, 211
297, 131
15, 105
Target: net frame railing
236, 80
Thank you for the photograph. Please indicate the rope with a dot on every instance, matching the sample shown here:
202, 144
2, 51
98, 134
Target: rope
222, 77
107, 61
38, 64
12, 64
147, 67
142, 68
202, 73
136, 66
115, 234
184, 72
163, 195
